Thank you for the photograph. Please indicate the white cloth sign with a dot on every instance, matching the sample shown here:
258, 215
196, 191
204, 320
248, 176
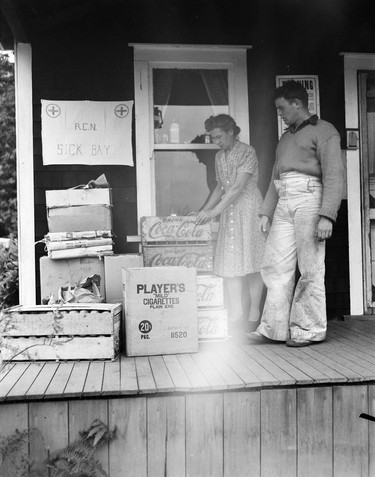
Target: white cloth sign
87, 132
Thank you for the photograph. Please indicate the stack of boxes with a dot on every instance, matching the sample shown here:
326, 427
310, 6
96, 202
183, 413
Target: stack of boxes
80, 233
79, 223
180, 241
177, 241
212, 316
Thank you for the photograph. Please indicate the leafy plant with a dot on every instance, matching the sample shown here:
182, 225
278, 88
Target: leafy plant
9, 275
12, 455
8, 185
78, 458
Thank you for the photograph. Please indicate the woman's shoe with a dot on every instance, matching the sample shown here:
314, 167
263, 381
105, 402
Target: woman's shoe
252, 326
236, 328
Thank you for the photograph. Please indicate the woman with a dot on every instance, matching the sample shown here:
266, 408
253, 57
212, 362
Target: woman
237, 199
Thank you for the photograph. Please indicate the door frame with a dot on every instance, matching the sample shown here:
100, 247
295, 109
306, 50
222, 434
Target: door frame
353, 63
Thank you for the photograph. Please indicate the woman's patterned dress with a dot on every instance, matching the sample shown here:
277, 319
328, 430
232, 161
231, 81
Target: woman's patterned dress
240, 245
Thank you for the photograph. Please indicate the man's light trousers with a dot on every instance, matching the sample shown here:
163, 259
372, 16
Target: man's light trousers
295, 311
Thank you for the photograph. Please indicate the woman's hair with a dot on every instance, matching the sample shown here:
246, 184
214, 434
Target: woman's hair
223, 122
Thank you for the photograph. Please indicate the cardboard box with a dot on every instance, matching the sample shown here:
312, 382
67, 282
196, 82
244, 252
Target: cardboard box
76, 210
75, 331
212, 325
113, 266
57, 273
160, 310
174, 229
197, 256
210, 291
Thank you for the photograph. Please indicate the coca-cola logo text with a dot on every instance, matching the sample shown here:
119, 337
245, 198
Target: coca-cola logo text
208, 326
186, 230
190, 259
206, 292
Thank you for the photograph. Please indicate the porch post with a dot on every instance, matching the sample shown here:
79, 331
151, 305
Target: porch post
25, 174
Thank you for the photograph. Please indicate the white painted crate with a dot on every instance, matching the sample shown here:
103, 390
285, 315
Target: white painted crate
212, 324
210, 291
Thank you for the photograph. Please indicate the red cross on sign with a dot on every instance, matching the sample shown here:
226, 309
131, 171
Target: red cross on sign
53, 110
121, 110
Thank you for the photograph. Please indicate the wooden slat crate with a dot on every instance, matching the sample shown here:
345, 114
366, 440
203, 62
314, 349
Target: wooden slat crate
198, 256
210, 292
67, 332
174, 229
212, 324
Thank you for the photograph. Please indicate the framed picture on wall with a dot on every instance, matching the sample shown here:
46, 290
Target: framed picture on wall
311, 83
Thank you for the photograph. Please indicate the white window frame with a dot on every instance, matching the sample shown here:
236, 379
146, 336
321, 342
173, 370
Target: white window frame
149, 56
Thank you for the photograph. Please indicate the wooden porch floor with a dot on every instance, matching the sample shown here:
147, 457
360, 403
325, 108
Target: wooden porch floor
347, 356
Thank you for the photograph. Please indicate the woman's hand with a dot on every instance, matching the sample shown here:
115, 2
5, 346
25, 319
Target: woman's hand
264, 224
203, 217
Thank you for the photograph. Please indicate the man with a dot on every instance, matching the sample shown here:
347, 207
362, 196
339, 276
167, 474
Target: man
302, 202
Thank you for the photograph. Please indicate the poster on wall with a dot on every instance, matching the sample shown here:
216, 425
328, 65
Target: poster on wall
87, 132
311, 83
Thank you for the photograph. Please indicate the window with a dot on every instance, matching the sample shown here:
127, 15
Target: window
176, 89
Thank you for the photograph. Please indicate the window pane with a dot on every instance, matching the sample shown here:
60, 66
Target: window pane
187, 97
183, 181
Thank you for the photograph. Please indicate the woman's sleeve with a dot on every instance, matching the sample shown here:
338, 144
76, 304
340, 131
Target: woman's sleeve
247, 161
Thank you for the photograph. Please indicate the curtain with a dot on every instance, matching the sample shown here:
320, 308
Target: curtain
190, 87
163, 81
216, 83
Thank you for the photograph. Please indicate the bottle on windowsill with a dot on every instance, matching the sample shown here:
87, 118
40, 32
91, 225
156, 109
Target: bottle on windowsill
174, 132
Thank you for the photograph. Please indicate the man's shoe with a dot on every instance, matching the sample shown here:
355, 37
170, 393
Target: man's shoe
300, 343
257, 338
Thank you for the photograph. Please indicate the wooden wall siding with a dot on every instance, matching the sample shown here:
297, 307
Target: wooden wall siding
76, 64
337, 267
303, 432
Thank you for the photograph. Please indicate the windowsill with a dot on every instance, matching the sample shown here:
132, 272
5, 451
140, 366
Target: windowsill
183, 147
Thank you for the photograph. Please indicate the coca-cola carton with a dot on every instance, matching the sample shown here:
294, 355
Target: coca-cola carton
212, 324
210, 292
160, 310
191, 256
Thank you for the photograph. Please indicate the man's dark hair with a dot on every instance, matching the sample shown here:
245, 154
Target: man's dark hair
291, 90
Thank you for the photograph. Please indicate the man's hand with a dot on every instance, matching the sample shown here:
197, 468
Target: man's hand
324, 229
264, 224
